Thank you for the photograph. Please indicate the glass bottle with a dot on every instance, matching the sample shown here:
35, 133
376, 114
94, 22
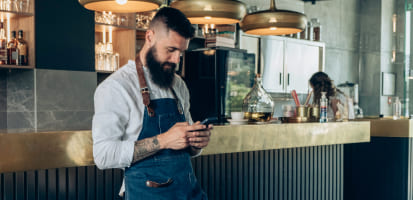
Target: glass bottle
397, 108
358, 112
310, 31
258, 105
3, 45
323, 107
22, 50
12, 49
316, 29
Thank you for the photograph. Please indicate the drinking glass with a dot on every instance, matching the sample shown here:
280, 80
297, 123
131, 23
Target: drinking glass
24, 5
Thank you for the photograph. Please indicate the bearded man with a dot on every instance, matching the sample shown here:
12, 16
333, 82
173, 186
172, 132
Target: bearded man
142, 121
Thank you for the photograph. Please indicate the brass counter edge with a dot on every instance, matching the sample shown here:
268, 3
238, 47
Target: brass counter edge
58, 149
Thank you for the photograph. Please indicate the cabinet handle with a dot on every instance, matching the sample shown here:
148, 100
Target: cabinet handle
288, 79
281, 75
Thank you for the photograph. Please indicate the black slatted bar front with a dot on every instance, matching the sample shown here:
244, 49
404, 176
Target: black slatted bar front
311, 173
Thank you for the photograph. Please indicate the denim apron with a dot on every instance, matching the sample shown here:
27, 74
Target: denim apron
172, 168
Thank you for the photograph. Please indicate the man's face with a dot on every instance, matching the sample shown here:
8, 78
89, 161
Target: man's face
162, 72
163, 56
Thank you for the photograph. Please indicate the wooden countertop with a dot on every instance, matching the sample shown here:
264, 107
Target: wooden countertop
45, 150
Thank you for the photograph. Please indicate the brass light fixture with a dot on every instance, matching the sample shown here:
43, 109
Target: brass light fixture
211, 11
273, 22
121, 6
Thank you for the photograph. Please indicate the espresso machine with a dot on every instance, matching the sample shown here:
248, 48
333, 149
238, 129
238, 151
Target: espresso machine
352, 91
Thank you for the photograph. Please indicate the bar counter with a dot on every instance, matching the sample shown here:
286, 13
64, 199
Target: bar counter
271, 161
44, 150
383, 168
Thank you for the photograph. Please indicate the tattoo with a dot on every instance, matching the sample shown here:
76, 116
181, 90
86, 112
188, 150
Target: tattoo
145, 148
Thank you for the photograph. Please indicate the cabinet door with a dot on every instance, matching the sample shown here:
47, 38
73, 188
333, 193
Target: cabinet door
273, 61
301, 61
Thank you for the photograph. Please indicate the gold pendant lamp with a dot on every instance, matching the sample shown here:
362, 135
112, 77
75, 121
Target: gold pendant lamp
273, 22
121, 6
211, 11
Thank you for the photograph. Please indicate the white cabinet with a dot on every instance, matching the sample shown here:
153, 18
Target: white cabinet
289, 63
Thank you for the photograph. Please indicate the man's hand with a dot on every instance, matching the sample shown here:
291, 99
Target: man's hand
175, 138
199, 139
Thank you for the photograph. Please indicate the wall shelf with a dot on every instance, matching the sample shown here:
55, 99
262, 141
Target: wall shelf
17, 67
100, 27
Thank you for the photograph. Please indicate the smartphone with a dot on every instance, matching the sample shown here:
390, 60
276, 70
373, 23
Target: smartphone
206, 122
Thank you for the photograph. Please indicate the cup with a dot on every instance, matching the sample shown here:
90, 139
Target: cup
301, 111
237, 116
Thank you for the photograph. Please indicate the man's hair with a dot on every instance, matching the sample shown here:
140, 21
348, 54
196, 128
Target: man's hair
174, 20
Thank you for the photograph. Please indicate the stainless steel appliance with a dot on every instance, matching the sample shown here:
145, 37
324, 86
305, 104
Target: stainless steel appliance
352, 91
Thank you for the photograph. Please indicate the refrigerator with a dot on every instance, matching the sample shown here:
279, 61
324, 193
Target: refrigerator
218, 79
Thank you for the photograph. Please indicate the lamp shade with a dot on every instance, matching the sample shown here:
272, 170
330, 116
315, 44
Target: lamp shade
211, 11
273, 22
131, 6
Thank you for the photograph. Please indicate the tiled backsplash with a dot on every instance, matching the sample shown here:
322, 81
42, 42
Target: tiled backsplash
46, 100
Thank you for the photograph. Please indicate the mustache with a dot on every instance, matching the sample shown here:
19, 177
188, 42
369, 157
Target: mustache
171, 65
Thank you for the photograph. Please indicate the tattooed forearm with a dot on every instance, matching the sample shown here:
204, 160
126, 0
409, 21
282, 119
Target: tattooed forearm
145, 148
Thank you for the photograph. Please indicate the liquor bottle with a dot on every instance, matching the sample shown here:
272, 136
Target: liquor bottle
258, 105
3, 45
323, 107
22, 50
12, 49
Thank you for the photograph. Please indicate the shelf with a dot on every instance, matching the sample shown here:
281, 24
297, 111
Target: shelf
14, 14
99, 27
104, 72
16, 67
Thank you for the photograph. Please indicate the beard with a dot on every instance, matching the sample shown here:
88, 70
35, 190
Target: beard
162, 73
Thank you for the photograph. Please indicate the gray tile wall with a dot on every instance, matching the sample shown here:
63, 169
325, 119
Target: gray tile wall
20, 99
3, 99
64, 99
46, 100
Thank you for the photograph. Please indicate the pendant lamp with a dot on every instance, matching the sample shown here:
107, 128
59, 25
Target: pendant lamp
273, 22
121, 6
211, 11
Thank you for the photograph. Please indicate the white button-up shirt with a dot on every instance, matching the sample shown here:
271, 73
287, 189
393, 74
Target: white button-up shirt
119, 112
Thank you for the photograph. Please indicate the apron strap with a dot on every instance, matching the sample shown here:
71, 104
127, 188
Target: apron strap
144, 87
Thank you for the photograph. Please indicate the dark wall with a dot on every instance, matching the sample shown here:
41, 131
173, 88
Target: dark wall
64, 35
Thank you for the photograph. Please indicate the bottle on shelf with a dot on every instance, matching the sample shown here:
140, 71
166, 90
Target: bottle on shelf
316, 29
3, 45
22, 50
323, 107
310, 31
12, 51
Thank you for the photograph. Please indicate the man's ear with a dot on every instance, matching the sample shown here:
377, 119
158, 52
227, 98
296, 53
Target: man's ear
150, 36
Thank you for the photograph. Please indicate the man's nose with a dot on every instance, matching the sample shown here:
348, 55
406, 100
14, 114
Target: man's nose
175, 57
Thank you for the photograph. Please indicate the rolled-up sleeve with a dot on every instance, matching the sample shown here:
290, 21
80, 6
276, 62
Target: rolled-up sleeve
108, 127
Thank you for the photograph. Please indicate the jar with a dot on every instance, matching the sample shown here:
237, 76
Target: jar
258, 105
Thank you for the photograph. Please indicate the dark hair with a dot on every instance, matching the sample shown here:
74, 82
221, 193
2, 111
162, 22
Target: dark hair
322, 83
175, 20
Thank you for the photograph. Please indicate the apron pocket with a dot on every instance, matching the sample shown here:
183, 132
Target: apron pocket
158, 181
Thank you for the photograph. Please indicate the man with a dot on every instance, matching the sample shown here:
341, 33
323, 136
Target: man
142, 120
